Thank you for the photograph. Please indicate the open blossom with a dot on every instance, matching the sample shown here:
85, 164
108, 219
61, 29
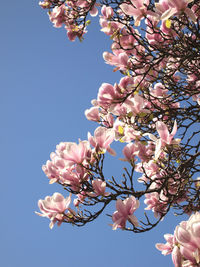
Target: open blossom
102, 139
121, 60
157, 203
107, 95
74, 153
184, 245
125, 209
57, 16
99, 187
149, 169
86, 5
175, 7
109, 27
138, 9
166, 138
65, 164
168, 247
130, 151
53, 207
74, 177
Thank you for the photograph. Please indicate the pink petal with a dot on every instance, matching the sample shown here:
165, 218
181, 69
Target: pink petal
168, 13
129, 10
162, 129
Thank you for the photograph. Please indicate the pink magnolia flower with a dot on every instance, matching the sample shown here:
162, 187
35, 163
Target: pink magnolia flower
57, 16
157, 203
53, 168
108, 120
53, 207
177, 7
161, 7
107, 11
51, 171
137, 104
107, 94
124, 212
130, 151
168, 247
102, 139
188, 235
184, 245
138, 9
74, 30
74, 153
118, 128
109, 27
99, 187
166, 138
121, 60
151, 170
74, 177
130, 134
163, 132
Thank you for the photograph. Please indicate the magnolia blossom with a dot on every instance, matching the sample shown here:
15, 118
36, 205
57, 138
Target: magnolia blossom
124, 212
120, 60
74, 177
74, 153
175, 7
166, 138
184, 245
53, 207
138, 9
130, 151
57, 16
168, 247
155, 60
157, 203
99, 187
149, 169
101, 140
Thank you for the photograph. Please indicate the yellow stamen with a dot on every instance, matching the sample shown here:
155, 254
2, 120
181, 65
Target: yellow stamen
168, 23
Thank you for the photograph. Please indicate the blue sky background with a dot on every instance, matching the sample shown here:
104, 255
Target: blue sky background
46, 84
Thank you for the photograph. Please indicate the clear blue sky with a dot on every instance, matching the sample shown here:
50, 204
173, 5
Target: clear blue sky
46, 83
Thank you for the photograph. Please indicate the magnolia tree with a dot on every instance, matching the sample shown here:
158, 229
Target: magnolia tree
153, 110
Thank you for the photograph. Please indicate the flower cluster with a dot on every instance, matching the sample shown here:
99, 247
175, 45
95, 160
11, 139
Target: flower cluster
153, 111
70, 163
70, 14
